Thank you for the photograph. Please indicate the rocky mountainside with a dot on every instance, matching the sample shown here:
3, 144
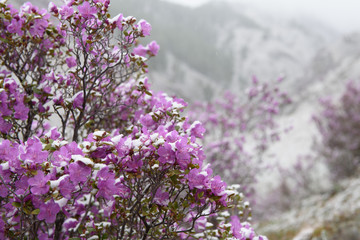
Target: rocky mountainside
332, 215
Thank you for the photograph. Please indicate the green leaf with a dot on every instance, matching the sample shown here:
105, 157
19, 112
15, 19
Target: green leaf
48, 147
27, 211
16, 204
145, 211
113, 216
154, 118
153, 209
35, 212
36, 90
174, 179
185, 204
200, 195
4, 40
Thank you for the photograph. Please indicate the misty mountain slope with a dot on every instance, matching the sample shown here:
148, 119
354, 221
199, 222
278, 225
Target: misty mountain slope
334, 65
326, 77
223, 45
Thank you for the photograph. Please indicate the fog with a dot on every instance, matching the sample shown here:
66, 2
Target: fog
342, 15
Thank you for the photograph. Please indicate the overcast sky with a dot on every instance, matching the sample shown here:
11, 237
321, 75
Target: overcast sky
342, 15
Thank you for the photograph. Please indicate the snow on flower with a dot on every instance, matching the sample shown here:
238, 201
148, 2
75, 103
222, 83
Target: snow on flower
84, 160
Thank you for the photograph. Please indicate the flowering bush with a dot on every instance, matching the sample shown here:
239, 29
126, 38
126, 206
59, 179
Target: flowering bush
239, 130
338, 124
140, 177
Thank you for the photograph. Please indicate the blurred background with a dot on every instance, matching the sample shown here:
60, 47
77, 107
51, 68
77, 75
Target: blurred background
210, 46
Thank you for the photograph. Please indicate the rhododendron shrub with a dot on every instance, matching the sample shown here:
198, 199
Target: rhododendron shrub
112, 185
239, 130
338, 124
87, 150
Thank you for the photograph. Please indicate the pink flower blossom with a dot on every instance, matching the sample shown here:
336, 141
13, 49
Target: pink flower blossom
33, 152
86, 10
145, 27
39, 27
53, 133
66, 188
196, 179
147, 120
48, 211
5, 126
123, 191
21, 111
153, 48
161, 197
166, 154
74, 149
2, 229
66, 12
118, 20
15, 26
39, 183
140, 50
182, 152
4, 191
22, 185
218, 186
79, 172
61, 157
53, 8
107, 188
78, 99
197, 130
71, 61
